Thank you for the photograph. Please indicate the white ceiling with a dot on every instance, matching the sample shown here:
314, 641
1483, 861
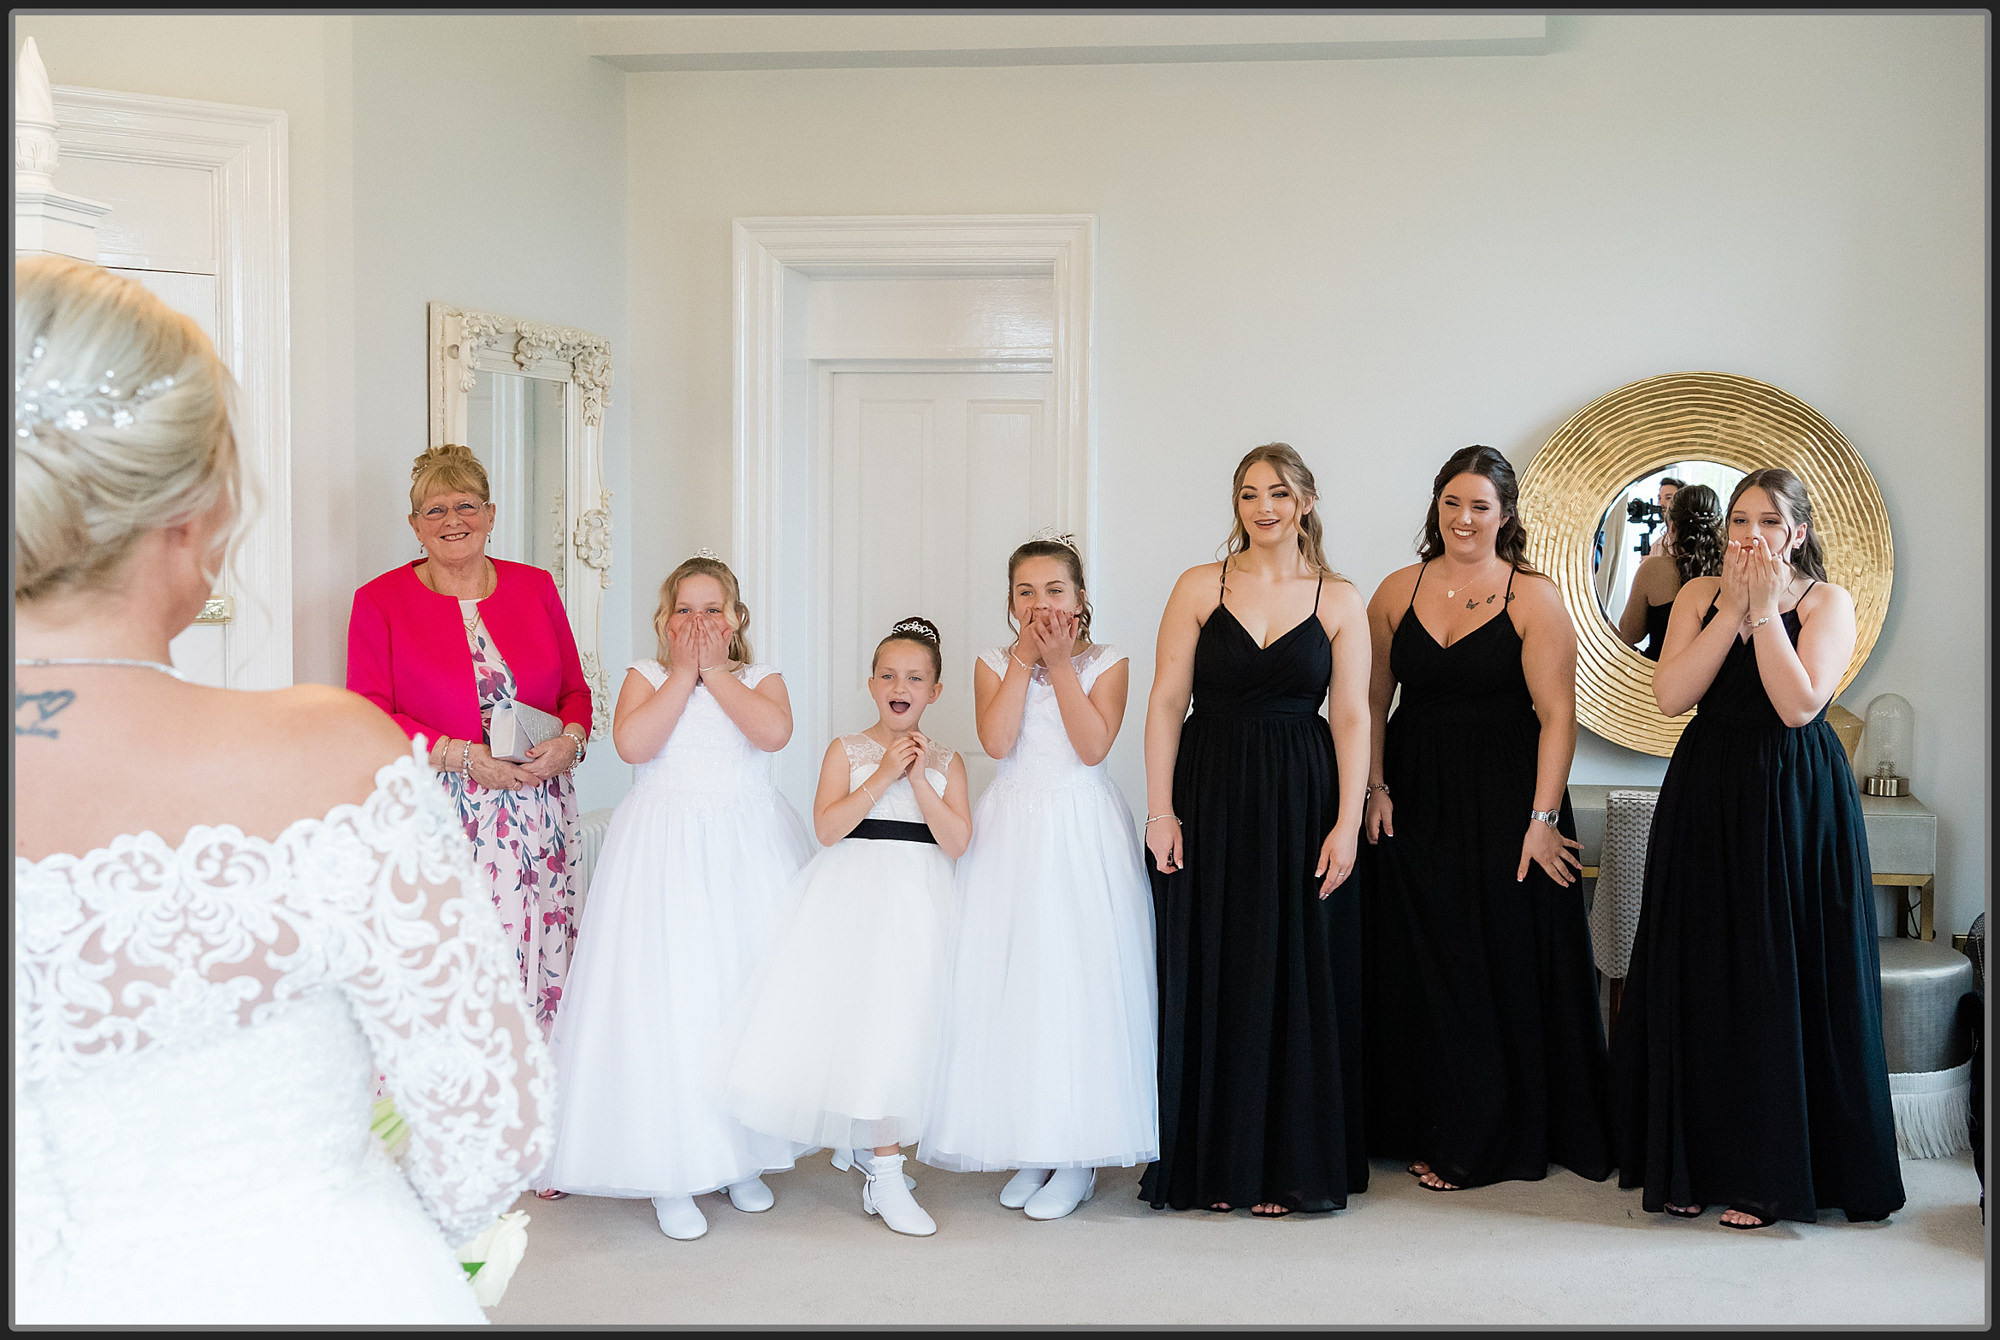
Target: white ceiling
825, 41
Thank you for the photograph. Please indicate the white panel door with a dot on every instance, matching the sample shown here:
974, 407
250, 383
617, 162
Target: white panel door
201, 651
934, 479
199, 216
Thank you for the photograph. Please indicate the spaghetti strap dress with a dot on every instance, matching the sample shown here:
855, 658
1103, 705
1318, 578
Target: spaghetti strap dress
1259, 978
1485, 1049
1748, 1069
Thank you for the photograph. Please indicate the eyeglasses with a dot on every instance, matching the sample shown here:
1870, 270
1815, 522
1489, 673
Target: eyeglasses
465, 511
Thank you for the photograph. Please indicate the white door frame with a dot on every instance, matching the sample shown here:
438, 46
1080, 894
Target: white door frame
779, 487
244, 149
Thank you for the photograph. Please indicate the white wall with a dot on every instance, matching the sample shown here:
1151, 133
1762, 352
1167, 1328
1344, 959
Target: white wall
480, 161
1383, 260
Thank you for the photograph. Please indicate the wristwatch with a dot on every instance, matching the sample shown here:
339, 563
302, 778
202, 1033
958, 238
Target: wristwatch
1549, 817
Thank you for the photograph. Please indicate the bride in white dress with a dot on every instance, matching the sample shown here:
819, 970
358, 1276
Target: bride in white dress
231, 911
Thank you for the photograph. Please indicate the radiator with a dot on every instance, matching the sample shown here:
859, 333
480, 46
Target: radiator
590, 831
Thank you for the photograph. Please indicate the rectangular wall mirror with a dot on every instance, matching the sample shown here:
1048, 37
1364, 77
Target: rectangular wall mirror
529, 399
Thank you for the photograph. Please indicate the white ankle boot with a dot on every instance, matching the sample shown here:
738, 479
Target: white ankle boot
844, 1159
885, 1194
751, 1195
1023, 1185
679, 1217
1066, 1190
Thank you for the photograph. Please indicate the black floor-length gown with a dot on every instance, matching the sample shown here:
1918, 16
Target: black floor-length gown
1748, 1069
1260, 1045
1485, 1047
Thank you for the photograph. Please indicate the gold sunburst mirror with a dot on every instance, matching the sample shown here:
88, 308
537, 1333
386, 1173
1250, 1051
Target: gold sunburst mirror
1590, 502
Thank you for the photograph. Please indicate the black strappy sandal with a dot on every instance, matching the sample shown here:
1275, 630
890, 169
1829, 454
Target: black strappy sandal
1761, 1221
1278, 1213
1684, 1211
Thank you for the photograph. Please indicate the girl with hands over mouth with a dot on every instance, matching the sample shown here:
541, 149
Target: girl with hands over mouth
1748, 1069
1048, 1061
838, 1040
685, 895
1486, 1058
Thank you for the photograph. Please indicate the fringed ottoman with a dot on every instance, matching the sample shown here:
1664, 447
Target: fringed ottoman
1930, 1064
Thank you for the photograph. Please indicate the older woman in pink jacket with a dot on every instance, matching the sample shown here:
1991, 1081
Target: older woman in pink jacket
437, 644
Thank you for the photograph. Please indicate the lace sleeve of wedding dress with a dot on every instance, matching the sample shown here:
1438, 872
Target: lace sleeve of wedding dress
441, 1003
139, 946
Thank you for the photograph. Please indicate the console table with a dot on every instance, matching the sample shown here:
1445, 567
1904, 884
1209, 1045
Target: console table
1902, 848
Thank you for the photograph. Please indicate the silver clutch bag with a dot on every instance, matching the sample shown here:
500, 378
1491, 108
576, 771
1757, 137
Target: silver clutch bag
517, 728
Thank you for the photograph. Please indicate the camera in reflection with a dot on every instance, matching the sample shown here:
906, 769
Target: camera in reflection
1648, 514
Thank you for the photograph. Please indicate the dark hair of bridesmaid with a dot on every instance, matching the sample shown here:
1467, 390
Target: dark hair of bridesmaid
1512, 541
1290, 467
1698, 544
920, 632
1789, 492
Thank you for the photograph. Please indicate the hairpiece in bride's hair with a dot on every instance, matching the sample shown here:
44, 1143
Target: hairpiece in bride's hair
73, 405
915, 627
1050, 535
707, 553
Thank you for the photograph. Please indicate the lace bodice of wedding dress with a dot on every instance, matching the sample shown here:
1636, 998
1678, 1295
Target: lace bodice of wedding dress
197, 1033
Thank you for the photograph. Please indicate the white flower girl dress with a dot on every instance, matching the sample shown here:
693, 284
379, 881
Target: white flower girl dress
197, 1032
838, 1038
1048, 1054
681, 906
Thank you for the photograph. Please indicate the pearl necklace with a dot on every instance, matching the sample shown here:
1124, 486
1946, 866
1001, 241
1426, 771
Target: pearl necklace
41, 661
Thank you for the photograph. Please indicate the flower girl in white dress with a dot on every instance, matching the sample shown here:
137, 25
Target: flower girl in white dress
696, 861
1048, 1061
838, 1043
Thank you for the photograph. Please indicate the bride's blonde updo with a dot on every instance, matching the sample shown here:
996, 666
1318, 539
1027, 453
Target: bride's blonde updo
447, 469
121, 424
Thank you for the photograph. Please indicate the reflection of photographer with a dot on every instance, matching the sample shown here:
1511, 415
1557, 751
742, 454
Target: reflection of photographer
1652, 516
1668, 488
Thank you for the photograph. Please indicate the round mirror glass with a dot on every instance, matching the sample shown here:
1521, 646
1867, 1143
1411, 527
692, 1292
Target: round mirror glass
1634, 528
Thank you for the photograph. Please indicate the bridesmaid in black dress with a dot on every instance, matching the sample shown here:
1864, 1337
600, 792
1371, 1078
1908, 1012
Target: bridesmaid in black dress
1485, 1050
1749, 1069
1253, 809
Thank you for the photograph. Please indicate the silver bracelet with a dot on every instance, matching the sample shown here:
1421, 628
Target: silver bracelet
465, 761
579, 750
1760, 622
1151, 818
1018, 661
870, 794
1373, 787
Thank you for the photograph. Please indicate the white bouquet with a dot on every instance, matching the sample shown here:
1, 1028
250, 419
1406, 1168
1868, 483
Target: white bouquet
491, 1258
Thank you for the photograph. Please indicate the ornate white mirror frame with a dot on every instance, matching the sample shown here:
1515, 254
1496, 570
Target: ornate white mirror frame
465, 343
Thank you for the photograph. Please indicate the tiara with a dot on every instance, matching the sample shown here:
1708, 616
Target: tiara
708, 553
1050, 535
73, 405
919, 627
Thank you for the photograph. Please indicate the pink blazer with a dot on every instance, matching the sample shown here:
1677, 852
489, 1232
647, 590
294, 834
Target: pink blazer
407, 653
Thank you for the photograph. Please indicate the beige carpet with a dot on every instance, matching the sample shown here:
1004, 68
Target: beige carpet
1562, 1251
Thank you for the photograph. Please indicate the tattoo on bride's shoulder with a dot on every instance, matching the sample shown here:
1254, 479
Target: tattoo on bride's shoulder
33, 711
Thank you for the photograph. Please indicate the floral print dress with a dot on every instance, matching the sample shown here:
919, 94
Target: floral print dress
522, 840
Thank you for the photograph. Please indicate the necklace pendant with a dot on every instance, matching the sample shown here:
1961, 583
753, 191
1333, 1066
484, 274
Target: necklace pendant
1449, 594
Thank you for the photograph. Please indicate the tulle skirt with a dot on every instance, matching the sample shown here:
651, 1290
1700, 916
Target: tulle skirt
1048, 1056
681, 909
837, 1039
